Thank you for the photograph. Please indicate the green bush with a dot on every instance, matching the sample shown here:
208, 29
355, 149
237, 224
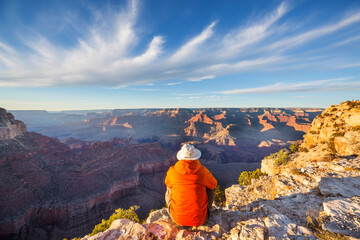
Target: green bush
294, 147
280, 157
119, 214
219, 196
245, 177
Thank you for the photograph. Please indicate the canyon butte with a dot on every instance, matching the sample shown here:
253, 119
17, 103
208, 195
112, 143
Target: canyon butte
92, 163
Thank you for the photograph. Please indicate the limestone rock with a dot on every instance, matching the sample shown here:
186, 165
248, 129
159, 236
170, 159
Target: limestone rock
9, 127
344, 216
158, 214
268, 167
122, 229
349, 144
345, 187
280, 227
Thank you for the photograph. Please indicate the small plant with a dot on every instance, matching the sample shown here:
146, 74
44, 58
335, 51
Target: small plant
356, 128
337, 134
315, 222
320, 116
303, 149
280, 157
297, 171
313, 132
119, 214
331, 145
219, 196
334, 109
294, 147
245, 177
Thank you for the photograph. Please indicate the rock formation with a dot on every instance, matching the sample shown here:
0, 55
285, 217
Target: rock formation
50, 190
311, 196
9, 127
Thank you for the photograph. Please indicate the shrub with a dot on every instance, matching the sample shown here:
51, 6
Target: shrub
119, 214
280, 157
356, 128
313, 132
331, 145
303, 149
294, 147
219, 196
334, 109
245, 177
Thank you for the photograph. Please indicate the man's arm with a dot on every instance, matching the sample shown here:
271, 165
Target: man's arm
168, 181
209, 180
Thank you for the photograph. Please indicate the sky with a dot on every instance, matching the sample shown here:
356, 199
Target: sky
71, 55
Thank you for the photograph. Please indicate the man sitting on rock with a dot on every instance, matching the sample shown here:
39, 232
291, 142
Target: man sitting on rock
190, 188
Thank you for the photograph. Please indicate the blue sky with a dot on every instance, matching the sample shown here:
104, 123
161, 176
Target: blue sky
64, 55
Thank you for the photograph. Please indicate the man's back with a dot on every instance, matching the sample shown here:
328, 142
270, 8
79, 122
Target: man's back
188, 180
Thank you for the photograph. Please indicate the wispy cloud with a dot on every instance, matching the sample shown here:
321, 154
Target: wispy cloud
316, 33
191, 47
143, 89
172, 83
108, 53
335, 84
198, 79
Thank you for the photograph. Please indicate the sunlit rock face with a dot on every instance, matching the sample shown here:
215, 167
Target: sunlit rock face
9, 127
337, 127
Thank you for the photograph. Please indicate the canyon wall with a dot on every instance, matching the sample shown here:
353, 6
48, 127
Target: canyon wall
50, 191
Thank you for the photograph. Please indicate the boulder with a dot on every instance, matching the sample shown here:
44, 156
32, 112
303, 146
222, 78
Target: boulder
345, 187
344, 216
349, 144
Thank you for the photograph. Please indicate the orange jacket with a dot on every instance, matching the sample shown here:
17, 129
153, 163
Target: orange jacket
188, 180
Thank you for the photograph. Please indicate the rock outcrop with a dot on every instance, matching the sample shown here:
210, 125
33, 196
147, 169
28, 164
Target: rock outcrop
336, 128
310, 197
9, 127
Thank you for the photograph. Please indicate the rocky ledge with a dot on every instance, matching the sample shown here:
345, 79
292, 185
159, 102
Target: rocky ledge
312, 196
9, 127
277, 207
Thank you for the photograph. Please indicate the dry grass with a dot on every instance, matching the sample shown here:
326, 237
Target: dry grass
315, 222
298, 172
352, 169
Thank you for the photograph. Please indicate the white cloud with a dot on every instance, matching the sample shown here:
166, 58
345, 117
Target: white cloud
242, 38
111, 53
198, 79
191, 47
335, 84
315, 33
172, 83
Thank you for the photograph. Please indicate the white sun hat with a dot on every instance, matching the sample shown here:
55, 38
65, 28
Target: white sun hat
188, 152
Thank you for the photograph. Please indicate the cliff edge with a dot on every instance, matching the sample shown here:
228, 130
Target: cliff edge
9, 127
313, 194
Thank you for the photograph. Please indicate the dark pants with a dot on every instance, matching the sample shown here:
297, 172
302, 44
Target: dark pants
210, 195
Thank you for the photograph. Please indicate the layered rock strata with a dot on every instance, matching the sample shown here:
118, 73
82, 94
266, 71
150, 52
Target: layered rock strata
50, 191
